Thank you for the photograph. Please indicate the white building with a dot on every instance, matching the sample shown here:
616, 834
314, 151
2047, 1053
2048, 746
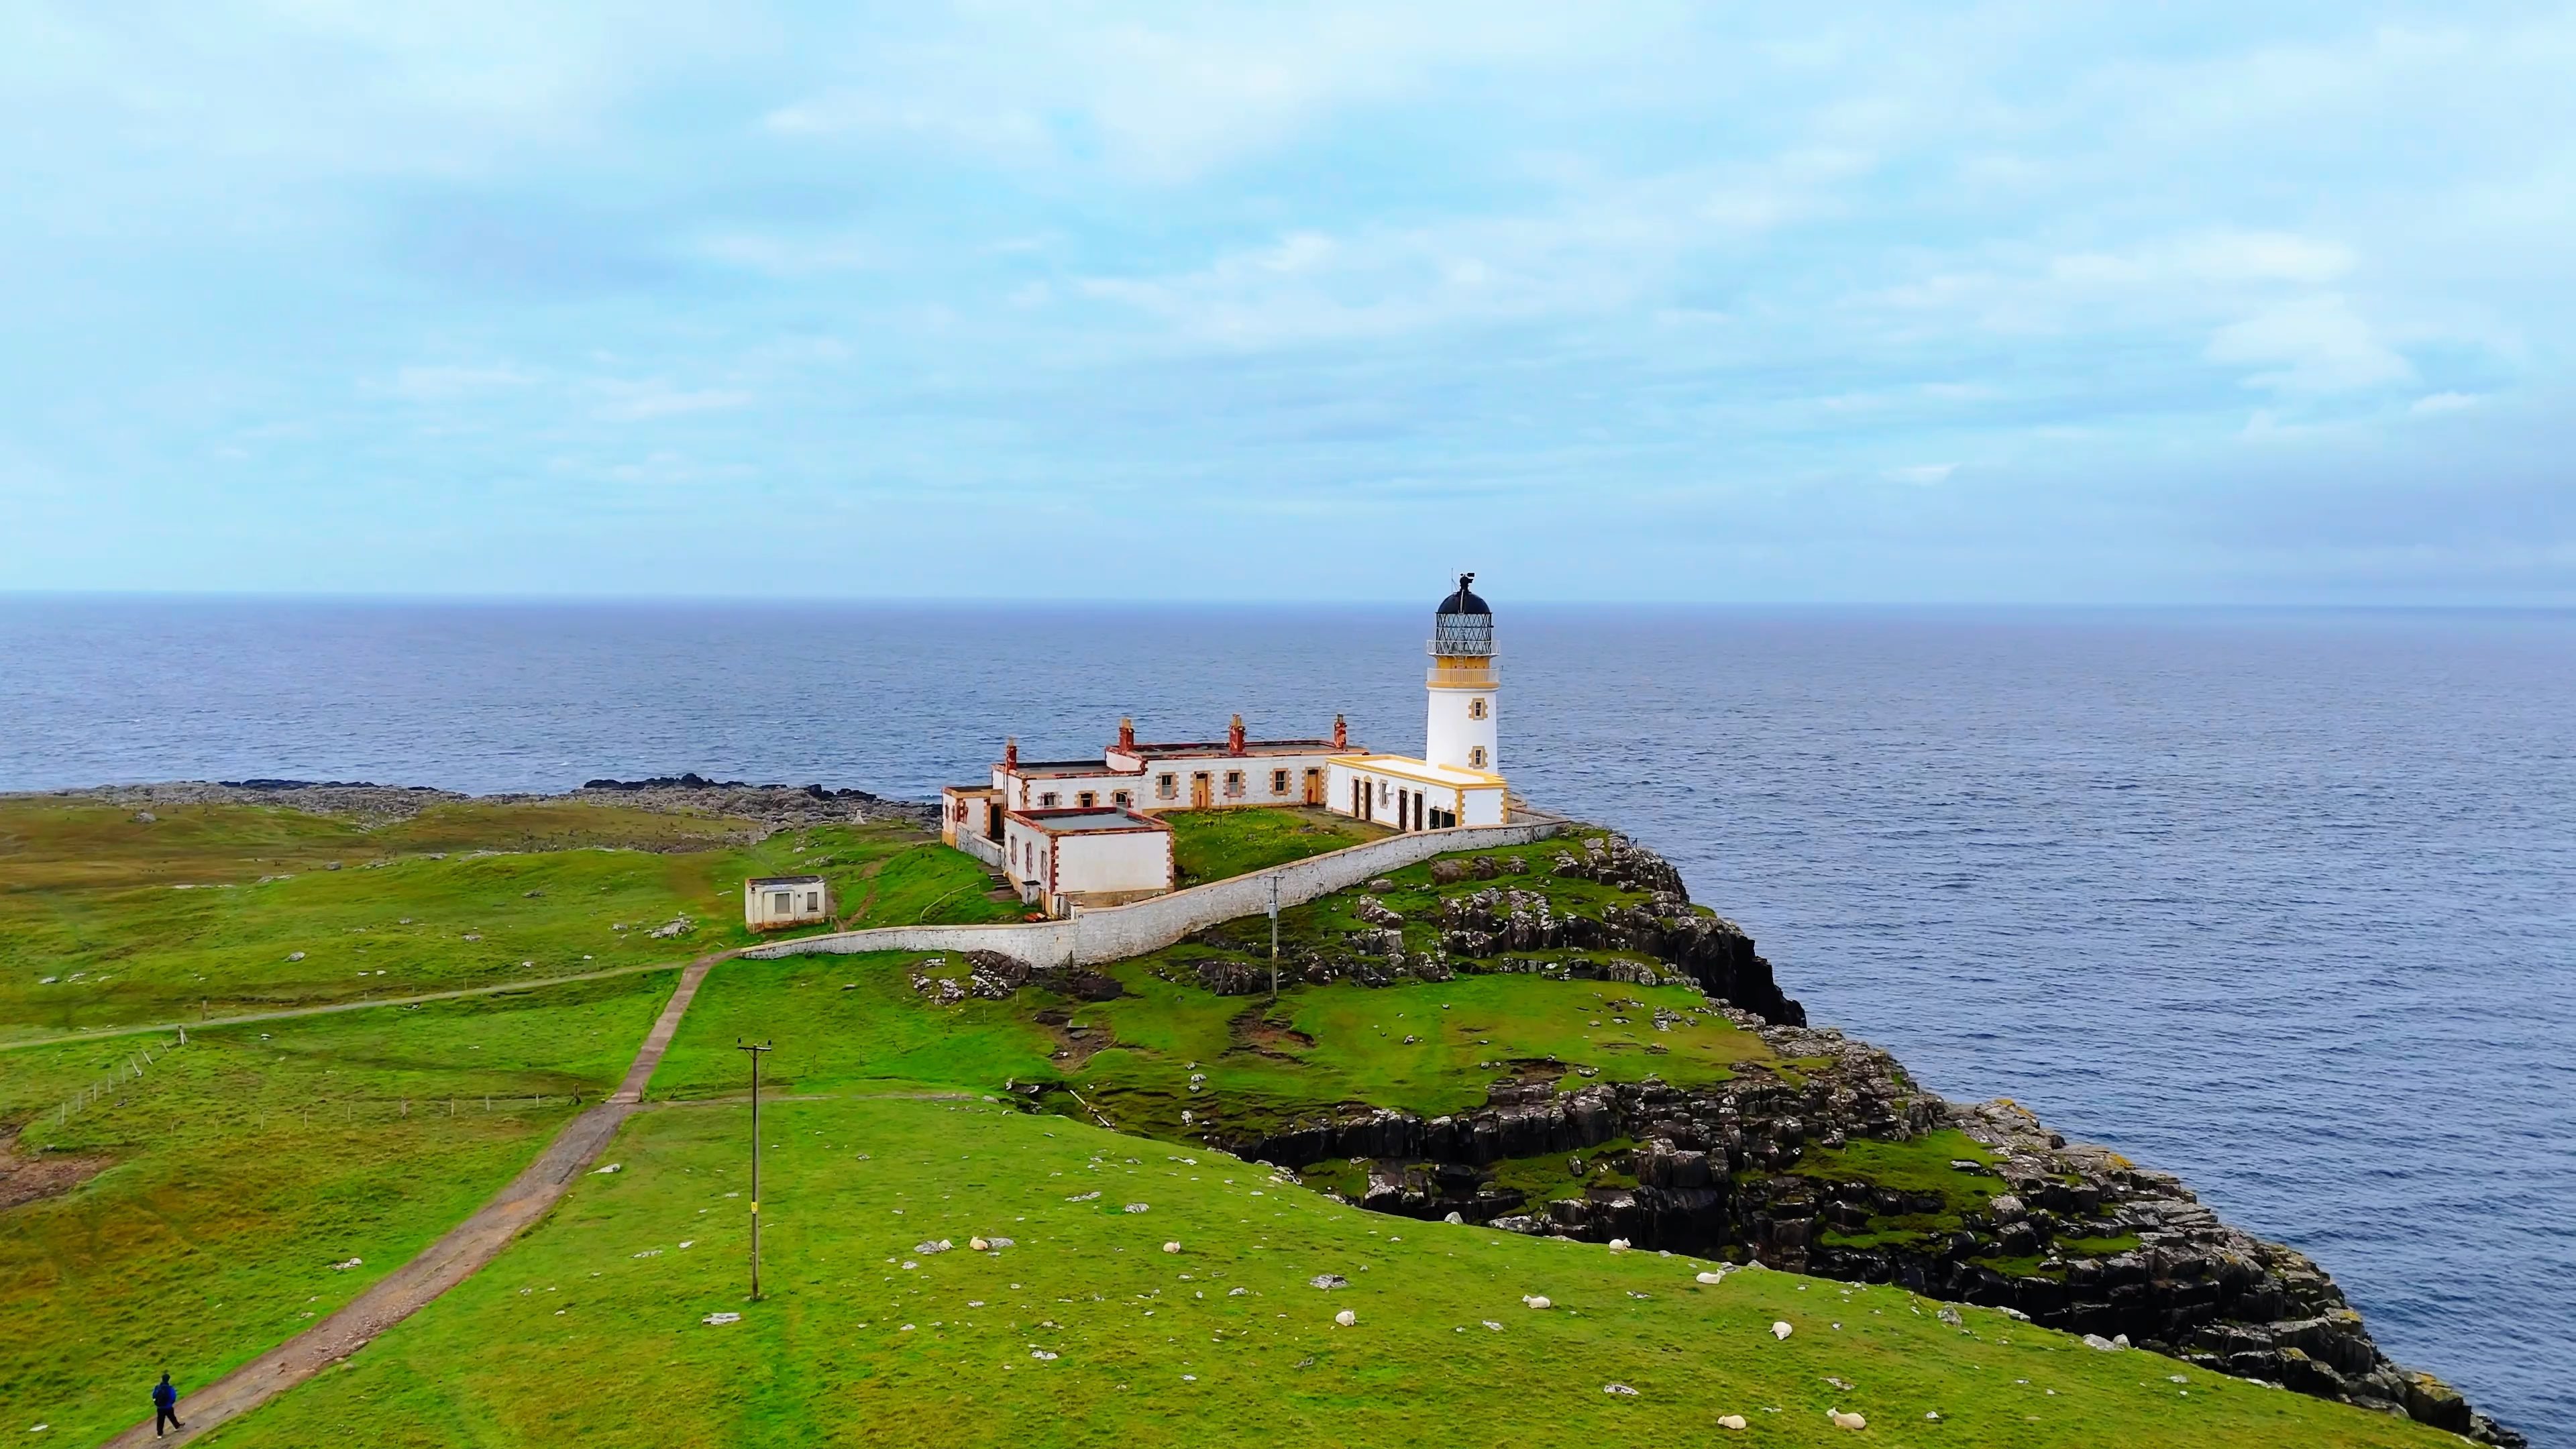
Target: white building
1457, 781
1099, 856
775, 902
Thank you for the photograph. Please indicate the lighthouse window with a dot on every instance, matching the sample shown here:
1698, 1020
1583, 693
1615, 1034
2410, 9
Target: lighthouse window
1279, 782
1234, 783
1476, 708
1475, 757
1122, 799
1047, 801
1167, 787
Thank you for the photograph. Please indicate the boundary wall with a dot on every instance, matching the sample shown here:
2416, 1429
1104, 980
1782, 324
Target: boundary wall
1114, 933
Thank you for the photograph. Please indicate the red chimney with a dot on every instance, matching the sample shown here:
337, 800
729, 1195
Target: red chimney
1234, 736
1127, 735
1011, 753
1341, 734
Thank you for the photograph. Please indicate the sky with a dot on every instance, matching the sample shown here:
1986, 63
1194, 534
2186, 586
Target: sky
2046, 303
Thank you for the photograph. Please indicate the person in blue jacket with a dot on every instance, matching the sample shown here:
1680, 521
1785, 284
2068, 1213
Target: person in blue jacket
165, 1406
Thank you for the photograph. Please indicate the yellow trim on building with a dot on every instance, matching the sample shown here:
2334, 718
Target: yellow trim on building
1390, 765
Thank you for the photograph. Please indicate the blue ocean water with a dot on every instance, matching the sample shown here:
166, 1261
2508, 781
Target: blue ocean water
2284, 902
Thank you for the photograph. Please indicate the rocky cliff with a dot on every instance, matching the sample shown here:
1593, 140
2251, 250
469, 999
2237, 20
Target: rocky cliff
1790, 1166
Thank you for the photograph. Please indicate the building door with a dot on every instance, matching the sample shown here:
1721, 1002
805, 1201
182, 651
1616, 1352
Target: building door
1314, 787
1201, 794
992, 822
1359, 800
1418, 798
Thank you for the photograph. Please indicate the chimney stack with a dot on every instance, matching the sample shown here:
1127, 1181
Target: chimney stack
1127, 734
1341, 734
1011, 753
1234, 736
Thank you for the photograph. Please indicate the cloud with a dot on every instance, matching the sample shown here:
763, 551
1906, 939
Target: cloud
449, 383
2310, 347
644, 401
1924, 474
2433, 404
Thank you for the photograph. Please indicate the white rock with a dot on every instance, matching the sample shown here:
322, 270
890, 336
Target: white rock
1732, 1421
2099, 1344
1846, 1421
1618, 1245
604, 1171
1041, 1355
1779, 1330
1536, 1300
1620, 1389
722, 1318
1136, 1207
1454, 1219
294, 955
1346, 1318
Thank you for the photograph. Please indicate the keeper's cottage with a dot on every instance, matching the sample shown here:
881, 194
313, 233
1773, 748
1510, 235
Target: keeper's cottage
1084, 832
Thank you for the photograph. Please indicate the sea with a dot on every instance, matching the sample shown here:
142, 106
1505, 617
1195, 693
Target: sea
2282, 901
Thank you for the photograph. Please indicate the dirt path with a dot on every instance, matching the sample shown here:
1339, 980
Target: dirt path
443, 1264
367, 1003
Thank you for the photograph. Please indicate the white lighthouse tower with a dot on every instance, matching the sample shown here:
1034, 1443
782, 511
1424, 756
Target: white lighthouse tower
1462, 686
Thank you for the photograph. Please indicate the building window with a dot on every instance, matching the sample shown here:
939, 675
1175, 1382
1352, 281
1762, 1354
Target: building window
1234, 784
1047, 801
1476, 708
1385, 793
1279, 782
1167, 787
778, 903
1475, 757
813, 900
1086, 799
1122, 799
961, 810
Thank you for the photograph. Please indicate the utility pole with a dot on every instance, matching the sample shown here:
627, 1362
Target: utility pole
1274, 936
757, 1049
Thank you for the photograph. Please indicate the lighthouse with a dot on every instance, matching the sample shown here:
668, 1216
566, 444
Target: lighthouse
1461, 732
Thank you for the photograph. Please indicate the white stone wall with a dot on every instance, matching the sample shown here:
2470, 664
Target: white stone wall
1115, 933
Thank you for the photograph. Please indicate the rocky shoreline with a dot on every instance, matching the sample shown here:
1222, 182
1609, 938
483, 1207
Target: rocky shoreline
775, 807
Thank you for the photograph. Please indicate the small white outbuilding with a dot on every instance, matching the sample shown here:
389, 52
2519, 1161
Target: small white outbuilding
775, 902
1059, 859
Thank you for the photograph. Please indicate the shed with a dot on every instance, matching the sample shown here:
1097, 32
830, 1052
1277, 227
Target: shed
775, 902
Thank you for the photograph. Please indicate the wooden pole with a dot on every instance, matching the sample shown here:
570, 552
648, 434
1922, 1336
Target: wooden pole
757, 1050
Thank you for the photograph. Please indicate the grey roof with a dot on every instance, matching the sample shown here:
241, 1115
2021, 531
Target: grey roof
771, 880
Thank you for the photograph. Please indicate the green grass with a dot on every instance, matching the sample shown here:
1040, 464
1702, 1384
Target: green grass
245, 1163
1919, 1166
107, 921
1215, 844
587, 1331
842, 1021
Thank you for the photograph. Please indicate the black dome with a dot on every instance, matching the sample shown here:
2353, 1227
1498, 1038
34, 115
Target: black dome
1464, 601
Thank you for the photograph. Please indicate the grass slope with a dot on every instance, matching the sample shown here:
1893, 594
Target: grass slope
219, 909
246, 1163
588, 1331
840, 1021
1215, 844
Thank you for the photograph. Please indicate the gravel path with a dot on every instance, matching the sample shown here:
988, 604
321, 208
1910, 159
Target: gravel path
440, 1266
